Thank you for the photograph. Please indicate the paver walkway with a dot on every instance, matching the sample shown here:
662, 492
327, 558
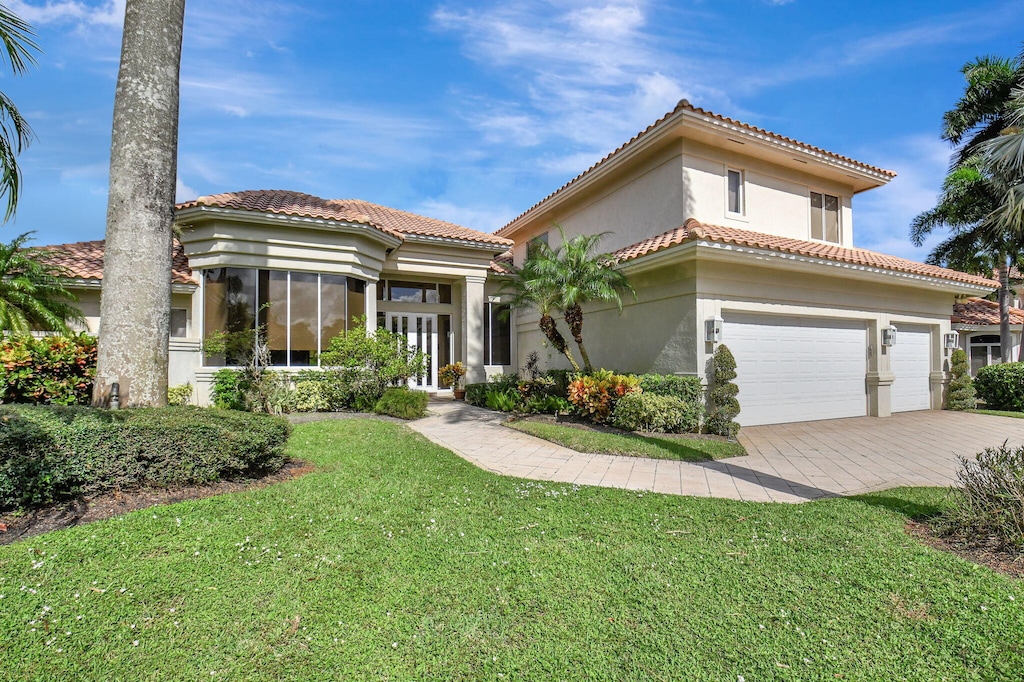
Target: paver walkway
786, 462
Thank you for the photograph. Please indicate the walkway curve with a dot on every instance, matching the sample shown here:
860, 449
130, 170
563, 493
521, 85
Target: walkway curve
786, 462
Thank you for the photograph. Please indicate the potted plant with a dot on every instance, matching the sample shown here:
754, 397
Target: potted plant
452, 374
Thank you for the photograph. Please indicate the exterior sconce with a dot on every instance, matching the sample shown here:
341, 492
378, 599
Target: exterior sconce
889, 336
951, 340
713, 330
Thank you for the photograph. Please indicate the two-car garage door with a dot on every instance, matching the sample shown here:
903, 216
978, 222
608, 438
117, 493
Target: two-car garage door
800, 369
797, 369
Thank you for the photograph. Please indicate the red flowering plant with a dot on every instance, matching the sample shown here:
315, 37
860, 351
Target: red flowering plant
593, 396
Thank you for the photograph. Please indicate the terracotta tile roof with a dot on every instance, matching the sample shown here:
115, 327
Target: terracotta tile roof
502, 264
388, 220
980, 311
684, 105
694, 230
84, 260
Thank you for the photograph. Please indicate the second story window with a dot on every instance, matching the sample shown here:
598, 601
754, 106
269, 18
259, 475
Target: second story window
734, 192
824, 217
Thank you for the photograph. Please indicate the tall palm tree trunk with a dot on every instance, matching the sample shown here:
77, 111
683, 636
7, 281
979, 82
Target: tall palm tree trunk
136, 299
1005, 340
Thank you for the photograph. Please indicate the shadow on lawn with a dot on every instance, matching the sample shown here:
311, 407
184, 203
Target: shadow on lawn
914, 509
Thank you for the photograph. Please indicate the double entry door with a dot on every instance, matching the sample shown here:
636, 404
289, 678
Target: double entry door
420, 331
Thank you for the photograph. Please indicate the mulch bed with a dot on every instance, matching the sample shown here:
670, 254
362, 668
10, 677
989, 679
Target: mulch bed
81, 510
999, 560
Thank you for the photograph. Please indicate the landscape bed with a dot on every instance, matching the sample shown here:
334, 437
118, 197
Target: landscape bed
395, 559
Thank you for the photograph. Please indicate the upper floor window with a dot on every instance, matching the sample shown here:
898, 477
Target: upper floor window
532, 244
734, 192
413, 292
824, 217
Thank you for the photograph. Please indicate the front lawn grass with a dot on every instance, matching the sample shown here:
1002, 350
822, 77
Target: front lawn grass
1000, 413
398, 560
631, 444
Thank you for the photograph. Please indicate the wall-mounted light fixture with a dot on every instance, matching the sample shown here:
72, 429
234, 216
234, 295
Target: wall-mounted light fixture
713, 330
889, 336
951, 340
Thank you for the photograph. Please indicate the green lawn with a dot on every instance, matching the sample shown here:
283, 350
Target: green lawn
1001, 413
397, 560
655, 447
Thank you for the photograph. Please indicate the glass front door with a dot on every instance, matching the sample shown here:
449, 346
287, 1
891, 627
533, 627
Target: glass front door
420, 331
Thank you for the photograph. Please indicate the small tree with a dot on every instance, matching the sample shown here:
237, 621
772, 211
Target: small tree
724, 405
961, 394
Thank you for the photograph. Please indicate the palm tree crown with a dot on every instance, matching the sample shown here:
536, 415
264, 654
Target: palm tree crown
15, 133
33, 294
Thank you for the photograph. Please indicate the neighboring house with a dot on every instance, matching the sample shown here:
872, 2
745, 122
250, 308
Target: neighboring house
977, 322
719, 225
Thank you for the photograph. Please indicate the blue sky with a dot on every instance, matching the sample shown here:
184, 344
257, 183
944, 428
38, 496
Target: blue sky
473, 111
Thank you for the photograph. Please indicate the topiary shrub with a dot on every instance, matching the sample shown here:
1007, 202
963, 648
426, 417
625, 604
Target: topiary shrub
403, 403
724, 405
987, 503
593, 396
688, 389
1001, 386
960, 394
653, 412
48, 454
51, 370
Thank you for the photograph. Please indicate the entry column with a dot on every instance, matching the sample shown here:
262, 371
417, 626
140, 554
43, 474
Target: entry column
473, 329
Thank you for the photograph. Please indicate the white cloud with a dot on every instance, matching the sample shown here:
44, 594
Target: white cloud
109, 13
482, 218
183, 192
882, 216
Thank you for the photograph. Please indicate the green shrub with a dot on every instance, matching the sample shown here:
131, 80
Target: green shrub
547, 404
960, 395
562, 378
724, 405
538, 387
1001, 386
593, 396
179, 395
507, 400
369, 364
55, 370
476, 394
653, 412
228, 389
48, 454
402, 403
504, 382
987, 503
311, 396
689, 389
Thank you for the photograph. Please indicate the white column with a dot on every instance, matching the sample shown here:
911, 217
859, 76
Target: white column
473, 329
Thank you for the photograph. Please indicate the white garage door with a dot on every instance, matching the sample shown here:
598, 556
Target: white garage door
911, 363
797, 369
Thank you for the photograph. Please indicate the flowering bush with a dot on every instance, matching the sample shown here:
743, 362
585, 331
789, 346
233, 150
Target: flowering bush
56, 370
594, 395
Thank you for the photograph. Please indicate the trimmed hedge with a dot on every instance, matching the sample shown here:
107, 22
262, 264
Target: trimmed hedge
403, 403
476, 394
1001, 386
961, 394
48, 454
689, 389
653, 412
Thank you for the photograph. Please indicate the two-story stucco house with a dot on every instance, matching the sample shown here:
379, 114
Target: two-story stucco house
729, 233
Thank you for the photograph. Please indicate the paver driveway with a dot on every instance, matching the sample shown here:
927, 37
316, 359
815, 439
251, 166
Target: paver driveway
786, 462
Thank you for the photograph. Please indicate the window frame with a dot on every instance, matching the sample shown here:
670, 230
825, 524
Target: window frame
824, 227
741, 192
489, 316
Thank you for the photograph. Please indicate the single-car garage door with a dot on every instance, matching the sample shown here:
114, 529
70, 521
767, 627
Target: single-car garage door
797, 369
911, 364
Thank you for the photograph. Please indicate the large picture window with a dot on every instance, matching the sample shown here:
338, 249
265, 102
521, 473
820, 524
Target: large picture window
497, 334
296, 313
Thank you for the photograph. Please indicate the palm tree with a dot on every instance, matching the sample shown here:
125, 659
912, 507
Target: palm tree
33, 295
535, 286
15, 133
135, 305
982, 112
583, 277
